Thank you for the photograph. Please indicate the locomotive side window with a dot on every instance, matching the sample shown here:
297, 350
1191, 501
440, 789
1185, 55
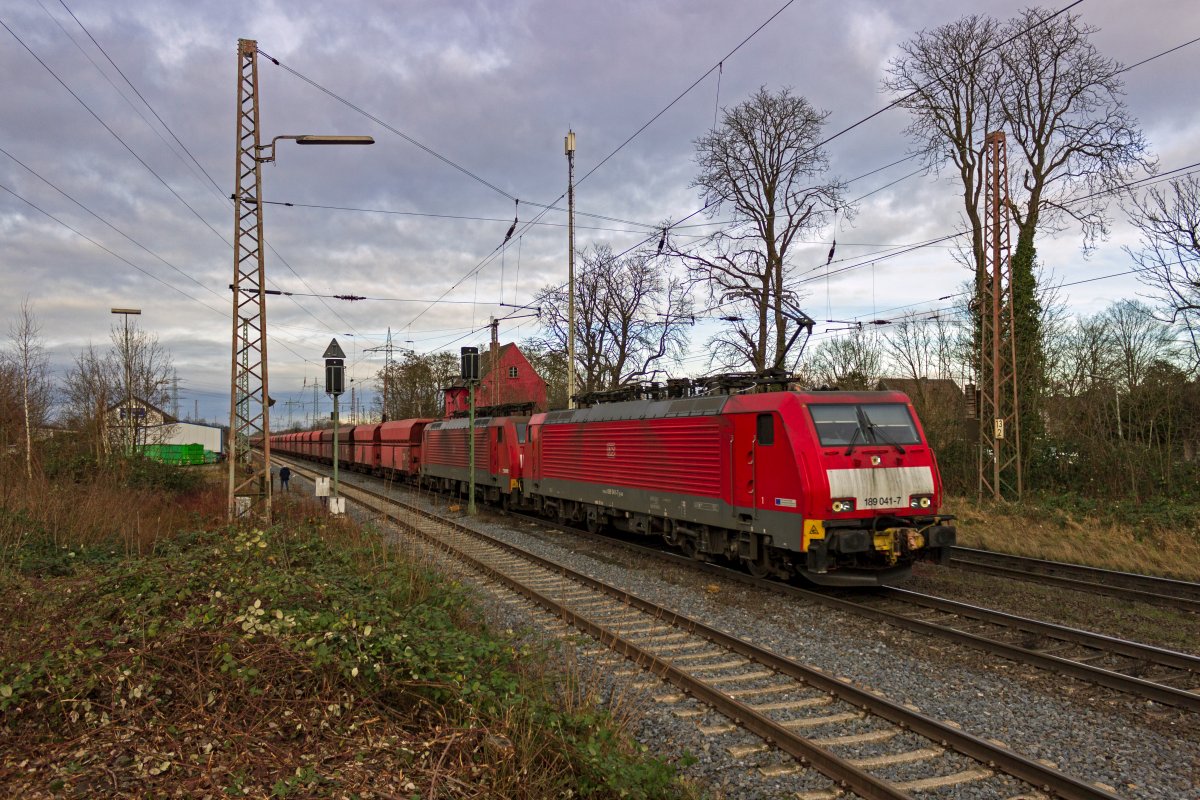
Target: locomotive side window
766, 429
499, 434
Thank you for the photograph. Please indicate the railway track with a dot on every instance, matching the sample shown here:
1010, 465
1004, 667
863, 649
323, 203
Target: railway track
801, 717
1125, 585
1164, 676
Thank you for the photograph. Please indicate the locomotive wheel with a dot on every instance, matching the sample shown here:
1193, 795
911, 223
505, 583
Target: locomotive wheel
594, 524
688, 546
758, 569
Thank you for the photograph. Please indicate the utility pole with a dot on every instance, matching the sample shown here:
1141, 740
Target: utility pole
128, 358
387, 351
569, 146
999, 413
249, 411
316, 400
175, 393
495, 398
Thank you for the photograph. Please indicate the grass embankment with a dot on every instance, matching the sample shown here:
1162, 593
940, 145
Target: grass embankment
307, 660
1157, 540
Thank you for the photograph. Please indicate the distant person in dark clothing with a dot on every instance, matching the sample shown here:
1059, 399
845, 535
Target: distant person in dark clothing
285, 475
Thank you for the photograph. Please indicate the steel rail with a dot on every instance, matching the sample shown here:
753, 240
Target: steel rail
1161, 693
1156, 591
995, 755
824, 761
1098, 641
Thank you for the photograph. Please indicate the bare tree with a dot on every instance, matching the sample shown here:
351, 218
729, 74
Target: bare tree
631, 318
1039, 78
136, 365
764, 168
948, 81
920, 346
416, 382
1169, 256
1137, 341
1123, 413
551, 364
89, 389
31, 365
851, 362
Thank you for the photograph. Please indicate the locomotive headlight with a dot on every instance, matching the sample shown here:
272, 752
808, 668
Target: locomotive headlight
920, 501
842, 505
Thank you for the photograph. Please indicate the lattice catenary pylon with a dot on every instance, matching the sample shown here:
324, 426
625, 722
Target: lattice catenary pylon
249, 414
999, 417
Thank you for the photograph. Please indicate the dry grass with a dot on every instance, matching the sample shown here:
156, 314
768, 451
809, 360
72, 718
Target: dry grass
1059, 535
127, 668
95, 511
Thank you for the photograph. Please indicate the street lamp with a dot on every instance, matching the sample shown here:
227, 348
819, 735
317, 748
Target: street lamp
309, 138
125, 312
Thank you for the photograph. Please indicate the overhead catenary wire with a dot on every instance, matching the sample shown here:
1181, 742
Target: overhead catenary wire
114, 134
142, 161
142, 97
126, 261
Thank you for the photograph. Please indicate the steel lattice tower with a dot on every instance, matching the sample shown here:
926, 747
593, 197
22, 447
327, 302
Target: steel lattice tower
249, 415
999, 418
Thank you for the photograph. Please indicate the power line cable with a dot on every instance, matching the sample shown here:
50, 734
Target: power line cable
124, 260
685, 92
151, 169
144, 100
115, 135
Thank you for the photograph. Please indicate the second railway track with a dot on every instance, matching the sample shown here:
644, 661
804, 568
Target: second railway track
1126, 585
857, 739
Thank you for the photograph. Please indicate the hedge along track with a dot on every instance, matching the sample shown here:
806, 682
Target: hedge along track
760, 691
1125, 585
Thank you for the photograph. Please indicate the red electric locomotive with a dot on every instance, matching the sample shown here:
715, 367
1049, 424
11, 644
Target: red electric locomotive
840, 487
498, 456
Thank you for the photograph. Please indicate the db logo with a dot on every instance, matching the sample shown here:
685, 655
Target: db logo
611, 450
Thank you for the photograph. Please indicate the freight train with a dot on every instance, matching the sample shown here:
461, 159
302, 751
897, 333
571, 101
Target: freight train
839, 488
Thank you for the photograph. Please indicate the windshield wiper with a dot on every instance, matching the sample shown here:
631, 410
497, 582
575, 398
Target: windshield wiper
850, 444
878, 431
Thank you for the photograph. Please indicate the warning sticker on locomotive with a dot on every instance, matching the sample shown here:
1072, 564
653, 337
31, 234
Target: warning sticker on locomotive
889, 487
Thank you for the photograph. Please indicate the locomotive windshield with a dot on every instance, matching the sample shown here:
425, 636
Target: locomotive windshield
863, 423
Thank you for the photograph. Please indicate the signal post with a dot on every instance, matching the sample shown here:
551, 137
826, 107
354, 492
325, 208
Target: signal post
335, 386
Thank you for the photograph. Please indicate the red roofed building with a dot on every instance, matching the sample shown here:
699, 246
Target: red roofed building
506, 380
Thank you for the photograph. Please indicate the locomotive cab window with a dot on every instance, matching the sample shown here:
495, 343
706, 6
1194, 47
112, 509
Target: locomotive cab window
765, 433
890, 423
841, 424
499, 434
522, 432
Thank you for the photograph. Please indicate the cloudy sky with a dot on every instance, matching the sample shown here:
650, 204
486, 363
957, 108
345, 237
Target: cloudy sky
491, 88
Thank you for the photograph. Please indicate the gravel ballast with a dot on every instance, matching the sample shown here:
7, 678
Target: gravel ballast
1138, 749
